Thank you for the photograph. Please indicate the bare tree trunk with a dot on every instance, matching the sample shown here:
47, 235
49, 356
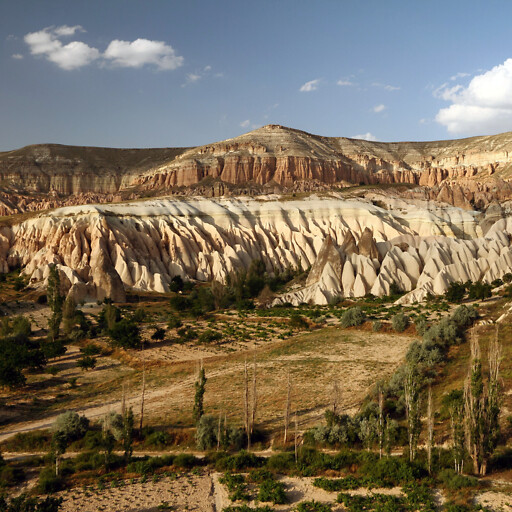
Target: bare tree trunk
287, 408
218, 431
143, 391
123, 402
254, 403
296, 438
247, 420
381, 422
430, 430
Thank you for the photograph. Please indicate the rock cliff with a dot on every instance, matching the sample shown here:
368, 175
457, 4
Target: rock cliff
352, 246
466, 173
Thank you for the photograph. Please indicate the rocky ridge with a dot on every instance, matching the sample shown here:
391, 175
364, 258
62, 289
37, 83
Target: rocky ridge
466, 173
352, 246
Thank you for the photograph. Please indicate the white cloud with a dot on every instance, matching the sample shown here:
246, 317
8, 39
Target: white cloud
207, 68
193, 77
70, 56
246, 123
485, 105
366, 136
17, 56
199, 75
344, 82
387, 87
312, 85
458, 75
76, 54
65, 30
140, 52
379, 108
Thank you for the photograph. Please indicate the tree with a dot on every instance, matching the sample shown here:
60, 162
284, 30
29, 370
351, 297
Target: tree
86, 363
127, 434
55, 301
480, 291
288, 406
70, 316
455, 292
352, 317
482, 404
200, 387
125, 334
455, 403
381, 422
430, 429
412, 408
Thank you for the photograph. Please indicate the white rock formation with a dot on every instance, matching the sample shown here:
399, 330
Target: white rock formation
353, 247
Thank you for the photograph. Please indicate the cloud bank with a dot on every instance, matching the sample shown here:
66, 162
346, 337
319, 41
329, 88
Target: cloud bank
77, 54
484, 105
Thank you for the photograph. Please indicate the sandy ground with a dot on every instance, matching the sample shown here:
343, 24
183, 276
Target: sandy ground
188, 492
496, 500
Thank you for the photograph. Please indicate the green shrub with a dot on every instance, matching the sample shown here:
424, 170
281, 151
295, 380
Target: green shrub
376, 326
271, 490
24, 503
352, 317
86, 363
464, 316
313, 506
125, 334
479, 291
38, 440
186, 461
206, 432
91, 349
71, 425
173, 322
454, 481
209, 336
240, 461
455, 292
281, 462
259, 475
298, 322
400, 322
48, 482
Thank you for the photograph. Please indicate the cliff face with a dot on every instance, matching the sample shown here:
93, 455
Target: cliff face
464, 172
353, 246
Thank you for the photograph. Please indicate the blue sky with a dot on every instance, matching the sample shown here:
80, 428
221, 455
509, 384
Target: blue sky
157, 73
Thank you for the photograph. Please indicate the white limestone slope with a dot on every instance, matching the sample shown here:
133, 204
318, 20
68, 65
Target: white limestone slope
353, 246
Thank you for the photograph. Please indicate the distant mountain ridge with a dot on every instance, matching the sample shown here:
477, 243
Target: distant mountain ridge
465, 172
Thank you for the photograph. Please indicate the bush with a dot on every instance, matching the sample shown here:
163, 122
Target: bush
454, 481
455, 292
186, 461
273, 491
206, 432
86, 363
298, 322
281, 462
159, 334
71, 425
464, 316
352, 317
125, 334
91, 349
48, 482
313, 506
25, 503
258, 476
479, 291
173, 322
240, 461
209, 336
400, 322
376, 326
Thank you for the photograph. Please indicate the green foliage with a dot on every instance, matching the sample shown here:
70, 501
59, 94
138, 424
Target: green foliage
26, 503
86, 363
108, 317
125, 334
186, 461
148, 465
271, 490
313, 506
240, 461
455, 292
71, 425
400, 322
206, 432
200, 386
173, 322
55, 301
48, 482
352, 317
259, 475
91, 349
376, 326
159, 334
246, 508
479, 291
455, 481
507, 278
298, 322
177, 284
209, 336
236, 486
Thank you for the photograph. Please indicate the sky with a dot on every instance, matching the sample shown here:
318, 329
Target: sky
173, 73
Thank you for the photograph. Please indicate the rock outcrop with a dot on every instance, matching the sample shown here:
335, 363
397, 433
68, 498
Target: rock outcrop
352, 246
466, 173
